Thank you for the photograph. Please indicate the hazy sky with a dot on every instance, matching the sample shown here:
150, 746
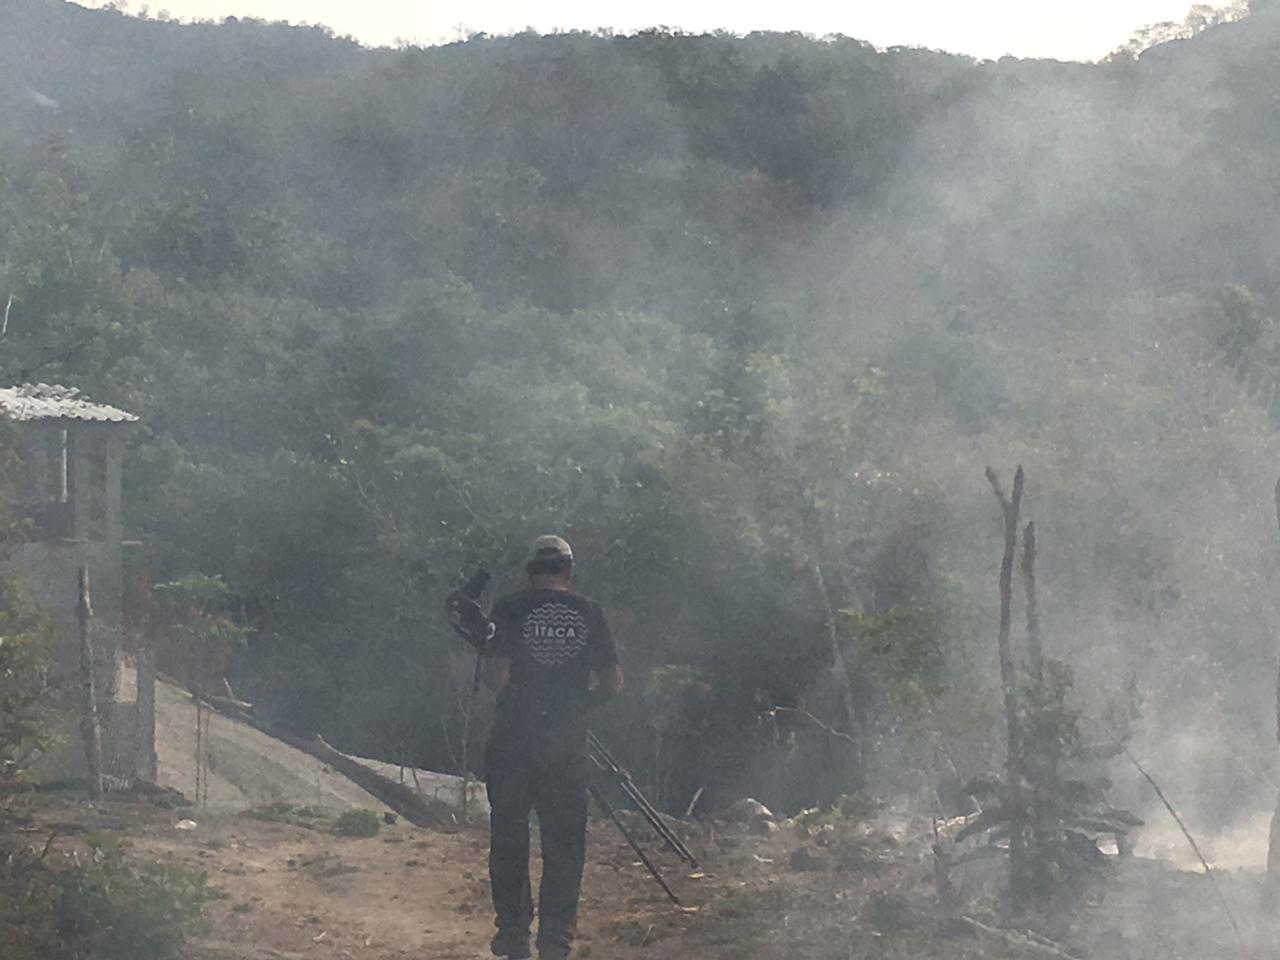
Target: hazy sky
1067, 29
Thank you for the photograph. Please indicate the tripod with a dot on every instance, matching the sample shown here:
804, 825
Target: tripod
604, 761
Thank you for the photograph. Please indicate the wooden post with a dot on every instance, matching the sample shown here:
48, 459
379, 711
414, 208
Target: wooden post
146, 734
1010, 508
90, 731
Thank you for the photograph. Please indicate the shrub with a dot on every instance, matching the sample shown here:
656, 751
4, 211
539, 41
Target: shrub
125, 912
279, 812
28, 893
26, 695
358, 823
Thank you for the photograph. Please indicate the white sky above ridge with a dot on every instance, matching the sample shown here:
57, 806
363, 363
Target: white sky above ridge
1062, 29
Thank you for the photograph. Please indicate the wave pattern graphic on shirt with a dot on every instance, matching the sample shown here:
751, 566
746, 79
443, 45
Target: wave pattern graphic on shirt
554, 633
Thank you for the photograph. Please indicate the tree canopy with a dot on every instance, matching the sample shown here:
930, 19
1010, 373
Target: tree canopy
743, 318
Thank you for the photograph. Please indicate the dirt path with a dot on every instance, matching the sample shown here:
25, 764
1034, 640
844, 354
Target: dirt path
294, 892
836, 891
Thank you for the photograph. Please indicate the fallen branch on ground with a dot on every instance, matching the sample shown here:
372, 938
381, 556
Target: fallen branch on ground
1038, 946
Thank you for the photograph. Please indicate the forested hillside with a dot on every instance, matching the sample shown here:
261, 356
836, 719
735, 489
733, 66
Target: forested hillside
745, 319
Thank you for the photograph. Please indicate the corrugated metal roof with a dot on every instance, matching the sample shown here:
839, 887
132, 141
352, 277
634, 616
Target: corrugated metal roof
42, 401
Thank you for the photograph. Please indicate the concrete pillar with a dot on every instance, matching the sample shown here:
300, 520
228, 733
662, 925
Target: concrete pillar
113, 524
81, 480
62, 466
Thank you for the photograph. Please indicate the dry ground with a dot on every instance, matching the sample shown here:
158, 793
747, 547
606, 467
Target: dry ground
832, 889
293, 892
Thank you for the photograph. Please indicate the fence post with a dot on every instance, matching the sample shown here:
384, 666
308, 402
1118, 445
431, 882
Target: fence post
90, 730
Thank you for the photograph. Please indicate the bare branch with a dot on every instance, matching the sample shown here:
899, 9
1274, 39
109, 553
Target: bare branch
996, 489
48, 845
830, 731
1208, 871
1018, 941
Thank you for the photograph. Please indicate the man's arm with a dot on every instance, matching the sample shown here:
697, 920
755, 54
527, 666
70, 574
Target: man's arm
604, 661
608, 685
496, 654
495, 672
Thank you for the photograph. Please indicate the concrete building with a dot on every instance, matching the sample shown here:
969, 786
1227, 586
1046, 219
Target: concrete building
73, 450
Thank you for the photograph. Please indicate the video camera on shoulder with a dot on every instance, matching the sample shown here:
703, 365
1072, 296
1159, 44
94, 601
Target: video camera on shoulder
463, 609
475, 584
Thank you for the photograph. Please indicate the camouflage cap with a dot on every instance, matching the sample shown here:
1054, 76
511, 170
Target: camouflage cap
550, 547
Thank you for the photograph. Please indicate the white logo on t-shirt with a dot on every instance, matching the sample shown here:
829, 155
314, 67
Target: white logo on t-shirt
554, 633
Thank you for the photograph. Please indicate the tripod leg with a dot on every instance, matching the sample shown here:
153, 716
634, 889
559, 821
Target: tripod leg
604, 760
617, 822
660, 826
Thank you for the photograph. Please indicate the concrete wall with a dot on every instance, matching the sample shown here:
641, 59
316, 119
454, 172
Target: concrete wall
89, 494
50, 571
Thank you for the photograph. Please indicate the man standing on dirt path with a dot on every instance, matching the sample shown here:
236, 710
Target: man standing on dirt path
548, 647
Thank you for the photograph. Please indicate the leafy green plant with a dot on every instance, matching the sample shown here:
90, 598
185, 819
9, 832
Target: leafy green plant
204, 634
28, 695
358, 823
280, 812
28, 895
1060, 808
125, 912
25, 701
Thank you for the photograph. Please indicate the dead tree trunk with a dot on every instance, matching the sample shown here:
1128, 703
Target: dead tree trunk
1045, 779
1273, 841
1035, 652
1010, 507
90, 729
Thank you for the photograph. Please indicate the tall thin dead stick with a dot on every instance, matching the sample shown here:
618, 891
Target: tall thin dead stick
1273, 838
199, 757
1010, 508
839, 667
1277, 501
1044, 781
1035, 652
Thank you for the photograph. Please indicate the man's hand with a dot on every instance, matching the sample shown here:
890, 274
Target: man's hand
608, 685
495, 672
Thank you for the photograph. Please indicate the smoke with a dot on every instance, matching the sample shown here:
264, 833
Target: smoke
1030, 281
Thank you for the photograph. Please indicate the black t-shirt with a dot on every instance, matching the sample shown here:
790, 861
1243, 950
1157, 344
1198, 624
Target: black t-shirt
555, 639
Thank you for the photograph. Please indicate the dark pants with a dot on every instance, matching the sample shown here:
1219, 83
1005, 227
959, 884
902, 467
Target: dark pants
546, 774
